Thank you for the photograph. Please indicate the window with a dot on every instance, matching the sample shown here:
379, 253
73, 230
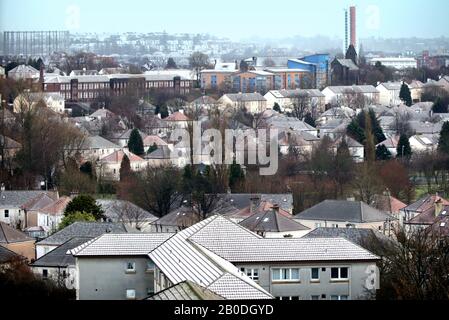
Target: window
130, 267
150, 265
315, 274
253, 274
315, 297
339, 273
289, 298
6, 213
130, 294
150, 291
45, 273
334, 225
318, 225
342, 297
285, 274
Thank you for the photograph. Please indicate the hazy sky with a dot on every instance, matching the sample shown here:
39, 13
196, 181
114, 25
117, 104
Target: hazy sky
235, 19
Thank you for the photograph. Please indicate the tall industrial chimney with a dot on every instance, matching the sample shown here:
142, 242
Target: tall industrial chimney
353, 20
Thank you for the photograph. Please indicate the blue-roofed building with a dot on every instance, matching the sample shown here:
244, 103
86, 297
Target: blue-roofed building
317, 64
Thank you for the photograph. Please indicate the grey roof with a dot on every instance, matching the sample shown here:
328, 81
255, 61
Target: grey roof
359, 236
131, 244
246, 246
59, 257
392, 85
246, 97
9, 234
186, 290
181, 217
162, 152
243, 200
97, 142
345, 211
271, 221
83, 229
353, 89
13, 198
420, 127
180, 260
313, 93
122, 209
7, 255
348, 63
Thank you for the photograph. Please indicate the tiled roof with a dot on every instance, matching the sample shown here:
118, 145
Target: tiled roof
245, 246
186, 290
344, 211
272, 221
359, 236
14, 198
162, 152
177, 116
97, 142
117, 157
39, 202
243, 200
180, 260
7, 255
132, 244
245, 97
83, 229
348, 63
353, 89
388, 204
9, 234
151, 140
114, 209
59, 257
425, 203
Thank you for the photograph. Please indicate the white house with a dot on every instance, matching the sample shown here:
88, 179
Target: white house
424, 142
96, 147
109, 166
287, 98
53, 100
344, 94
252, 102
389, 93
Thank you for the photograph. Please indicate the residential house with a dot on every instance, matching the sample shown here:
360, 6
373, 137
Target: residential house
10, 147
17, 241
273, 224
391, 143
334, 129
429, 218
444, 82
122, 211
389, 204
345, 214
122, 138
309, 269
109, 166
335, 113
284, 123
204, 103
356, 149
27, 101
351, 96
389, 93
428, 203
419, 127
59, 265
11, 202
242, 201
95, 148
153, 140
302, 143
117, 266
416, 90
176, 220
424, 142
177, 120
287, 99
362, 237
78, 230
7, 256
33, 215
162, 156
252, 102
